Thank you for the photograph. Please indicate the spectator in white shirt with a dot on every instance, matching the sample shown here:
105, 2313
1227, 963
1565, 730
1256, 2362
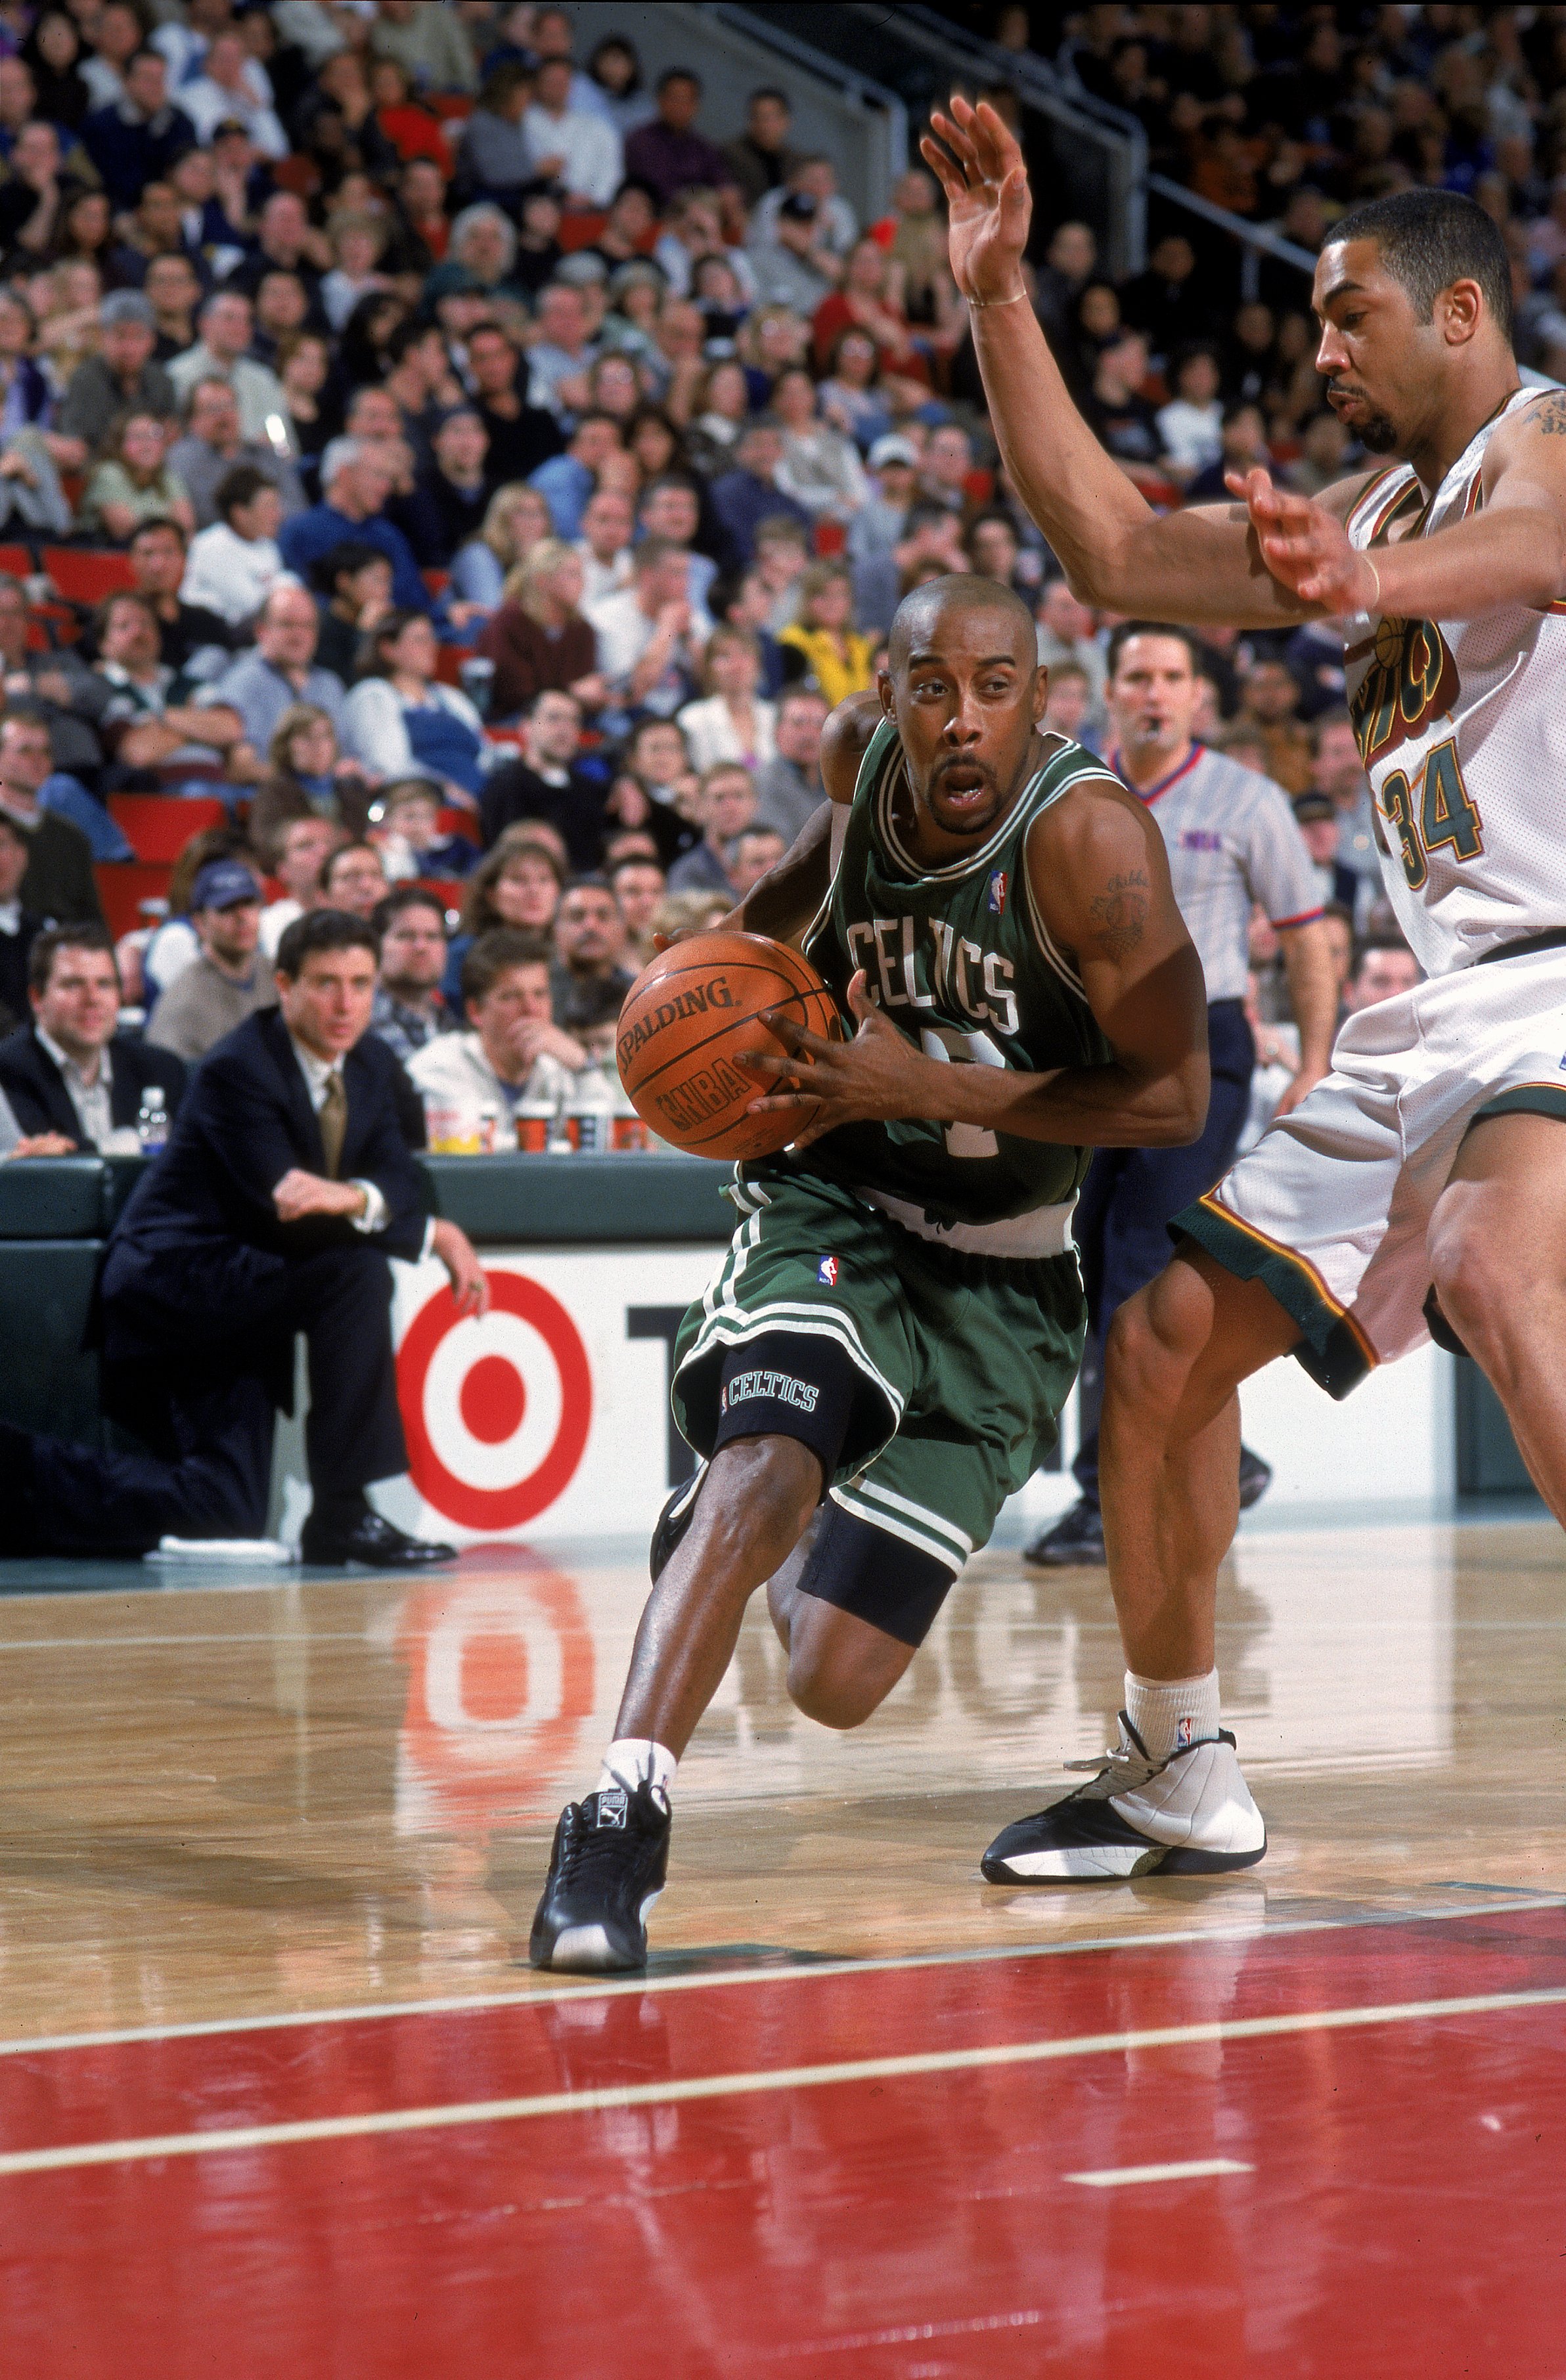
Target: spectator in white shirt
232, 87
1191, 424
560, 358
732, 722
567, 145
232, 566
303, 849
604, 545
513, 1051
645, 634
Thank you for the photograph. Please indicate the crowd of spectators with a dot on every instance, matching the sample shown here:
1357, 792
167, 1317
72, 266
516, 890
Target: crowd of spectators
505, 466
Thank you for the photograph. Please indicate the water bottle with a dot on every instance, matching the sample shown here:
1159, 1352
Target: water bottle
478, 676
488, 1130
589, 1111
152, 1120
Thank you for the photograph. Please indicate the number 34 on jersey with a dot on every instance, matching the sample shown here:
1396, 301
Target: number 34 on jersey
1434, 813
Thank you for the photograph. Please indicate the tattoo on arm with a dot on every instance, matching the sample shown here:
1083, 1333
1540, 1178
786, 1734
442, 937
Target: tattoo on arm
1120, 913
1550, 416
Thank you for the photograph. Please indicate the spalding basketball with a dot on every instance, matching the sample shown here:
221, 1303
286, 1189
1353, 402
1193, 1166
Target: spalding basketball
689, 1016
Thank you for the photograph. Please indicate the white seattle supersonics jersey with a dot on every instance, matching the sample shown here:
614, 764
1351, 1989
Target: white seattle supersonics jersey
1461, 727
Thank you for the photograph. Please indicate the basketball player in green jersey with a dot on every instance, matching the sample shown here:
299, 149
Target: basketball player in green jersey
899, 1318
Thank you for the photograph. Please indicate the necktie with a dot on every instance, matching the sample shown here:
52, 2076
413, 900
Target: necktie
333, 1123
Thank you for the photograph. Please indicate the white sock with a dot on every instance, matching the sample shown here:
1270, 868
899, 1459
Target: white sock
1170, 1712
630, 1758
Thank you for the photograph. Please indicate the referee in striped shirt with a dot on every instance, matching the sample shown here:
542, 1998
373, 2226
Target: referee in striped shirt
1232, 840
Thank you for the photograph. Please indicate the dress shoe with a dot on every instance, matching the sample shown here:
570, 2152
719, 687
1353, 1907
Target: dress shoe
1255, 1478
370, 1543
1076, 1542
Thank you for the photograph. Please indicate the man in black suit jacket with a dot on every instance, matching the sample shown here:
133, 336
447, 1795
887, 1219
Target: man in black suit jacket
284, 1188
18, 926
70, 1072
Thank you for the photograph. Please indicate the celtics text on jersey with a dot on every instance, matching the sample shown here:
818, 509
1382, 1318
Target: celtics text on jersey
960, 960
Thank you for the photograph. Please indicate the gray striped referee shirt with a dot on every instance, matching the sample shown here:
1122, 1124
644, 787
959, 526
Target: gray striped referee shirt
1233, 839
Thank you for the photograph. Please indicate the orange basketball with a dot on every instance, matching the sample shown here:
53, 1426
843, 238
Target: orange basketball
685, 1019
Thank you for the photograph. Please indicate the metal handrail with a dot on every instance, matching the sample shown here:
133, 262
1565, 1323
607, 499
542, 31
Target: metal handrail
1119, 135
829, 69
1258, 239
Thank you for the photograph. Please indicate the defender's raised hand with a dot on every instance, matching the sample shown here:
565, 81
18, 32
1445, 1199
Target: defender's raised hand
1306, 548
979, 164
878, 1074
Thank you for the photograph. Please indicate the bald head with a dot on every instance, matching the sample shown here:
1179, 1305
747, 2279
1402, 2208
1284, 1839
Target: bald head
964, 683
922, 615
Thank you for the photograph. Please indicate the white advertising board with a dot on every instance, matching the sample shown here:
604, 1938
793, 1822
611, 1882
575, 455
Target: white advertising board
548, 1418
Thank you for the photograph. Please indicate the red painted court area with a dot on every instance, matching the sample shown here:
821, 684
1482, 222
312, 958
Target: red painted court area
910, 2170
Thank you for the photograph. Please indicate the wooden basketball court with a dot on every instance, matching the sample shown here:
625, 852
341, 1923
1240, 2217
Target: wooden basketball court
278, 2097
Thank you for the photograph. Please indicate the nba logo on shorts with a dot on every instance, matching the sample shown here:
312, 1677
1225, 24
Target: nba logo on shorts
998, 893
1182, 1735
827, 1272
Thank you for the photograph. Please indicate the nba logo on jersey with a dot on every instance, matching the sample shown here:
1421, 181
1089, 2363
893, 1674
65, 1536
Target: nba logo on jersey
1183, 1733
827, 1272
998, 893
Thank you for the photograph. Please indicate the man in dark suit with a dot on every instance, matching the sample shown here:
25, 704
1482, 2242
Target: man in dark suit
18, 926
284, 1188
71, 1070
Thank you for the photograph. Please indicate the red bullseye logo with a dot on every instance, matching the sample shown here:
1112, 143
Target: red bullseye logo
496, 1411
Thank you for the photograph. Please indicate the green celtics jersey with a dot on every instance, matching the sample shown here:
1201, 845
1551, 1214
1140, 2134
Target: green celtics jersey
960, 960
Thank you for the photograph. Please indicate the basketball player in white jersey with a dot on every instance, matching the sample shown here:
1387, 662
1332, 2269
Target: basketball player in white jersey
1422, 1183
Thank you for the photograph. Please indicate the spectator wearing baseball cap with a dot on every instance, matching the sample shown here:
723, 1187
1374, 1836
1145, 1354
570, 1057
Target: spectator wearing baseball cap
795, 267
878, 530
229, 981
1316, 815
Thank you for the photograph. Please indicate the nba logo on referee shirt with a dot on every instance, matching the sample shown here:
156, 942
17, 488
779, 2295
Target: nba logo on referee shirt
827, 1272
998, 893
1182, 1734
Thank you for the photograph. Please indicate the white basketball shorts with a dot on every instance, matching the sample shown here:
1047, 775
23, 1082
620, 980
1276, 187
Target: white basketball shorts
1331, 1211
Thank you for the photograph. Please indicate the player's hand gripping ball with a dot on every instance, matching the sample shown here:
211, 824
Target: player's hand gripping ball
687, 1018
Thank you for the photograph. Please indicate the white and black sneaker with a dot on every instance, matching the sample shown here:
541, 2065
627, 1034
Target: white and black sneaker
607, 1868
1191, 1815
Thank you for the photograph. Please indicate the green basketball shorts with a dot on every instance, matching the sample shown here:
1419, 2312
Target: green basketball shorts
946, 1372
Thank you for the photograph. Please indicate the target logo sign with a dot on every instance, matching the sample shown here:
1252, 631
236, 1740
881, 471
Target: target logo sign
496, 1410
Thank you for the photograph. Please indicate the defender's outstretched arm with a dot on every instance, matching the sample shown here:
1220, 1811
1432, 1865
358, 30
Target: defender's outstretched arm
1196, 565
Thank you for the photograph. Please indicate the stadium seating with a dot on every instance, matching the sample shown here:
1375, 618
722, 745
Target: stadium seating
123, 885
83, 575
158, 826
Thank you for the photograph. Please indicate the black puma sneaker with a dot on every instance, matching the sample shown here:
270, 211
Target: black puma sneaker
607, 1868
674, 1521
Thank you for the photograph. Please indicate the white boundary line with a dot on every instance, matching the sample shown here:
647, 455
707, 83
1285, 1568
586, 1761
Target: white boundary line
1110, 2177
462, 2003
235, 2140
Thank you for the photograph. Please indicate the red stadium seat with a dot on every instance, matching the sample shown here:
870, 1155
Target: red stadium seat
16, 561
160, 825
463, 823
437, 581
451, 889
579, 228
446, 104
124, 884
448, 664
83, 577
830, 536
49, 625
